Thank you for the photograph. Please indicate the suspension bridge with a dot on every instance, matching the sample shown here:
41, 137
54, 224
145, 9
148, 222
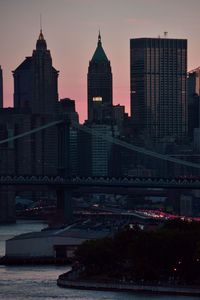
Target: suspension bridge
109, 139
65, 184
59, 182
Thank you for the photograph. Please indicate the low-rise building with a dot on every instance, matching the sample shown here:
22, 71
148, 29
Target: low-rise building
51, 243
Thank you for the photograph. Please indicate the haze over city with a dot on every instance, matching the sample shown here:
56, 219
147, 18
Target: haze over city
71, 28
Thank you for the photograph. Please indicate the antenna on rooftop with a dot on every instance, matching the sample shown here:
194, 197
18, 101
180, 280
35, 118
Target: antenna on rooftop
165, 34
40, 22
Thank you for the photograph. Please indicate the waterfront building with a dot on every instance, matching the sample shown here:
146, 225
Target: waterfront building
99, 82
52, 243
158, 86
1, 88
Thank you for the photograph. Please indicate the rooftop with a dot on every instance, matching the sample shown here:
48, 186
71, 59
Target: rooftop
99, 54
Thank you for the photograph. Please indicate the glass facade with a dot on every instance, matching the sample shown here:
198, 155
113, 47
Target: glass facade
158, 86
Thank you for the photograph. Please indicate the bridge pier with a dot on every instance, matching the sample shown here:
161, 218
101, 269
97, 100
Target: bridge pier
7, 204
65, 206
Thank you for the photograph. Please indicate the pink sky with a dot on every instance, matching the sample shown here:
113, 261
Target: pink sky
71, 28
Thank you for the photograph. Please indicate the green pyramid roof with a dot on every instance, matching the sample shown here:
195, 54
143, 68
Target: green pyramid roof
99, 54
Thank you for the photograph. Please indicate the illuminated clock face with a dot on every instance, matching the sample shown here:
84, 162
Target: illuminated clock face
97, 99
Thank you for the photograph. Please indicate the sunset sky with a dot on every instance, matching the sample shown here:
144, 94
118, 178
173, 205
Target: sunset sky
71, 28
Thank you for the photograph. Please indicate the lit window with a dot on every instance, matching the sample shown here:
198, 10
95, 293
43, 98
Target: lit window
98, 99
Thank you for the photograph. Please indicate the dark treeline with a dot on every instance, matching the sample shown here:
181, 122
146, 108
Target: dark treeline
171, 253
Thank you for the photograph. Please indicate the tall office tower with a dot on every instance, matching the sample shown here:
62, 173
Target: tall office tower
119, 116
99, 86
36, 101
1, 88
193, 92
35, 81
158, 86
95, 153
68, 109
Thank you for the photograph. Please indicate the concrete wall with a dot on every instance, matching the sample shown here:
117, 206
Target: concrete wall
29, 247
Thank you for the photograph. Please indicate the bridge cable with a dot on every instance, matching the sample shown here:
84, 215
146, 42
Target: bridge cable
109, 139
136, 148
15, 137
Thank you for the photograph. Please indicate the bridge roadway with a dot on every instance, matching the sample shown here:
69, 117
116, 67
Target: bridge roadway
70, 183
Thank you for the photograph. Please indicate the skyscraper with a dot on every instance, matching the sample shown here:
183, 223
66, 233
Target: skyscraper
193, 92
36, 104
1, 88
35, 81
99, 86
158, 86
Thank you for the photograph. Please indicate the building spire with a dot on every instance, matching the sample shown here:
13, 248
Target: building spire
99, 38
41, 43
41, 36
99, 54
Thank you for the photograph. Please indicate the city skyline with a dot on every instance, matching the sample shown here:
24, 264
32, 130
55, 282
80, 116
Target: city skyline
72, 38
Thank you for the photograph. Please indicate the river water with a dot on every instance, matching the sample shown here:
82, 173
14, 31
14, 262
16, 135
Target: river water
39, 282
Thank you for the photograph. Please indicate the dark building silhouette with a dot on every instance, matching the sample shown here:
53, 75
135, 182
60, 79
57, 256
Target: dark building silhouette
35, 154
23, 84
95, 153
44, 152
36, 104
1, 88
193, 92
84, 153
67, 107
158, 86
98, 156
119, 117
99, 86
35, 81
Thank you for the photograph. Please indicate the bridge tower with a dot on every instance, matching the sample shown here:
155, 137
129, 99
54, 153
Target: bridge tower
7, 204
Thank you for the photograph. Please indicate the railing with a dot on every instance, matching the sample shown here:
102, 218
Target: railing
101, 181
